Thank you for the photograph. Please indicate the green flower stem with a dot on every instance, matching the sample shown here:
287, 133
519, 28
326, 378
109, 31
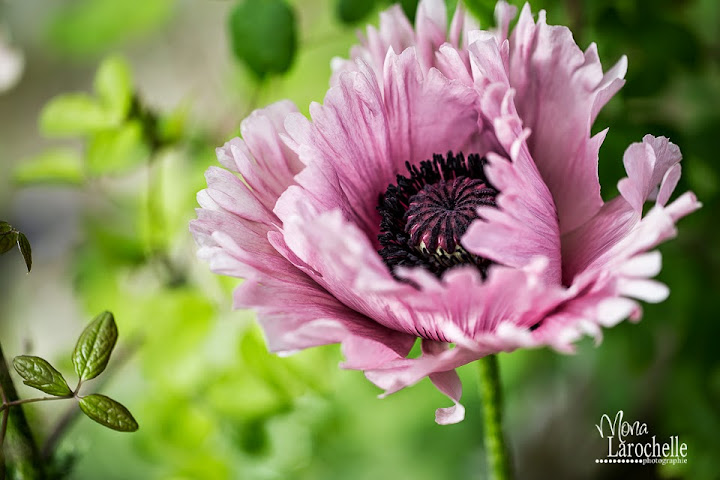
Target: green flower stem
498, 462
22, 452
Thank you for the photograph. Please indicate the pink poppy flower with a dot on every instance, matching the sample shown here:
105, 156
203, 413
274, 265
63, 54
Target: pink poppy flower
360, 225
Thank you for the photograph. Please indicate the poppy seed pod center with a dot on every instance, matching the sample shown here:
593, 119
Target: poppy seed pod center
425, 215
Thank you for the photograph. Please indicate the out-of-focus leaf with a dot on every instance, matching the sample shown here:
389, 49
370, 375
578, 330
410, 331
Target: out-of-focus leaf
87, 27
188, 315
94, 346
25, 250
113, 84
58, 166
263, 35
117, 151
119, 245
106, 411
352, 11
702, 178
161, 414
410, 8
483, 10
38, 373
76, 114
172, 126
8, 237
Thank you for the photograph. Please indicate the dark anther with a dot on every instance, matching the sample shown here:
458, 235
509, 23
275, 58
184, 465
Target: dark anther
424, 215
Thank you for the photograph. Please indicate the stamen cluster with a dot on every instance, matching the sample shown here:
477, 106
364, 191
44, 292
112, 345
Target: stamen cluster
424, 215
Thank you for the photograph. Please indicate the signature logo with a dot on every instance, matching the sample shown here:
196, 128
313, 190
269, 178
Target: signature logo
628, 442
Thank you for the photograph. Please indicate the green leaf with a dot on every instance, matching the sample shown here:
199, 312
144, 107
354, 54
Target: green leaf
8, 237
410, 7
113, 84
76, 114
483, 10
263, 35
171, 127
117, 151
352, 11
58, 166
38, 373
108, 412
94, 347
25, 250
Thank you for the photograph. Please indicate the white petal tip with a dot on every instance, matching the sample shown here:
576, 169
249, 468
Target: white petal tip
450, 415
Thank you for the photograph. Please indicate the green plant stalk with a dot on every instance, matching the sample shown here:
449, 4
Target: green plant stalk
21, 451
498, 461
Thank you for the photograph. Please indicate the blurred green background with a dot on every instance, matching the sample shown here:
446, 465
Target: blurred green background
103, 183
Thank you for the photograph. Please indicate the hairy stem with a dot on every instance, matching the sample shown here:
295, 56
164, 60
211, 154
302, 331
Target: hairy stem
20, 449
498, 462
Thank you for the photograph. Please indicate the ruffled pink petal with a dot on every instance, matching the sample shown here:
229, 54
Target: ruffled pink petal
460, 308
461, 24
504, 14
266, 164
560, 89
608, 261
236, 215
470, 311
646, 164
480, 317
524, 225
237, 232
607, 294
394, 376
427, 113
587, 243
295, 313
396, 34
346, 147
361, 137
652, 166
431, 27
447, 382
340, 258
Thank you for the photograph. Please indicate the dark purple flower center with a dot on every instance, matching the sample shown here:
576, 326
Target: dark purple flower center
424, 216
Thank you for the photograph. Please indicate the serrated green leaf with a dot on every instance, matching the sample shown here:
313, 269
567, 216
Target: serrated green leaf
117, 151
352, 11
25, 250
263, 35
113, 84
94, 347
8, 240
76, 114
58, 166
106, 411
5, 228
38, 373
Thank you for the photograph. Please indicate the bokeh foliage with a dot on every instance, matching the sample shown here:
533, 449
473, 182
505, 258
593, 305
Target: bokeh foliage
213, 403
